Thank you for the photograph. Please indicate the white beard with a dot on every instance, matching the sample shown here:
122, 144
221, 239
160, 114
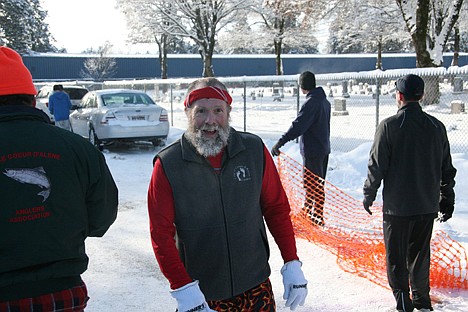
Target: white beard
206, 146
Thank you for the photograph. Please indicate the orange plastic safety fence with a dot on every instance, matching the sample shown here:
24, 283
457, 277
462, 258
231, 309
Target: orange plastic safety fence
328, 217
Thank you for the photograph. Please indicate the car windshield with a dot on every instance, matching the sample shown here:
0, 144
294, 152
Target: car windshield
76, 93
116, 99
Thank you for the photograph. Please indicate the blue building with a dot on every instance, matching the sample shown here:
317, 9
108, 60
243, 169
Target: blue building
70, 66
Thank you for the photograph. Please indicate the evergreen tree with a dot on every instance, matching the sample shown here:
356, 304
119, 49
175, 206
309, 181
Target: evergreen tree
22, 26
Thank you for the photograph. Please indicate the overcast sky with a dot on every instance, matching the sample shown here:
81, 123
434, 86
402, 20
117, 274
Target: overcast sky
79, 25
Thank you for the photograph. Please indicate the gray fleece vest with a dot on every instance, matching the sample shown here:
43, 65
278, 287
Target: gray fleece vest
221, 235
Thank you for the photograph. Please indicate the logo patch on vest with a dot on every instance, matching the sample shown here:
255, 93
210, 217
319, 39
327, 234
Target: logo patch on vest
242, 174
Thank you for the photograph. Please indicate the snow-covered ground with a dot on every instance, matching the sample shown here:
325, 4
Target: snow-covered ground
123, 274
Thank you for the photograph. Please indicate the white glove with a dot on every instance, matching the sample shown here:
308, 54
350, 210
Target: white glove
295, 284
190, 298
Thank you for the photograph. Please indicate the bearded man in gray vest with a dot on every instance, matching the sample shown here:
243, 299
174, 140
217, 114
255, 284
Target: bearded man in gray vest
210, 194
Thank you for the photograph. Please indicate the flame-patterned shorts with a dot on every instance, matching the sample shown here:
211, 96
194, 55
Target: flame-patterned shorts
257, 299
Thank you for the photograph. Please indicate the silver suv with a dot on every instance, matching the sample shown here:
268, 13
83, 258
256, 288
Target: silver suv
76, 93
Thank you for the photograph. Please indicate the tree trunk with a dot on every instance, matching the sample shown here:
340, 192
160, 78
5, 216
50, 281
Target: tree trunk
163, 60
206, 50
378, 64
279, 63
207, 62
208, 66
423, 58
419, 36
456, 46
162, 45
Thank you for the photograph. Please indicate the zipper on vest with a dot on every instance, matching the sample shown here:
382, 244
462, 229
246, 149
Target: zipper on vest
225, 229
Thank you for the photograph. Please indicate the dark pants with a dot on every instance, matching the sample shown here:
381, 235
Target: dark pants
315, 187
408, 251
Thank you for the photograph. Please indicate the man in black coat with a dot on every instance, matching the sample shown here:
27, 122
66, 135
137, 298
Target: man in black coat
312, 125
56, 190
411, 154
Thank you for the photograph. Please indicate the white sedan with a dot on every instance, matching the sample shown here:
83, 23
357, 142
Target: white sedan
110, 115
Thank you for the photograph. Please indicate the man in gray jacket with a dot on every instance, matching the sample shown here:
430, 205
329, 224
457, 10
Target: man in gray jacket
411, 154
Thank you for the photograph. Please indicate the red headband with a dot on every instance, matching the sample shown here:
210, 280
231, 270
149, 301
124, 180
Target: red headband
207, 93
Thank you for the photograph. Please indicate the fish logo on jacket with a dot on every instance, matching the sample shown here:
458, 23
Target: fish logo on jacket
36, 176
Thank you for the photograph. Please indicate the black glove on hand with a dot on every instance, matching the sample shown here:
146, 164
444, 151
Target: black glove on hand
446, 209
367, 203
275, 149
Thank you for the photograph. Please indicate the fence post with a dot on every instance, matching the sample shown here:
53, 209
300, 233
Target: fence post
298, 103
377, 101
245, 106
298, 97
172, 109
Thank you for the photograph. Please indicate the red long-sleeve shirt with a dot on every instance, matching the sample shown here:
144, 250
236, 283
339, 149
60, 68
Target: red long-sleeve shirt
274, 203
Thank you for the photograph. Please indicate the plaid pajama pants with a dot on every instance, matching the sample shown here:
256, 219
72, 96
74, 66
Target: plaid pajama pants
68, 300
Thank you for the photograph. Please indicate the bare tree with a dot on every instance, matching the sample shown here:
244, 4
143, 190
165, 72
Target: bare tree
101, 67
460, 35
201, 21
163, 21
146, 24
255, 33
286, 20
429, 22
367, 26
241, 38
382, 24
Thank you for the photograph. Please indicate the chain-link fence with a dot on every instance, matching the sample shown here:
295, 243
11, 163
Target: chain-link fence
359, 102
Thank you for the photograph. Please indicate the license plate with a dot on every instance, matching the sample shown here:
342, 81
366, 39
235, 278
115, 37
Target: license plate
137, 117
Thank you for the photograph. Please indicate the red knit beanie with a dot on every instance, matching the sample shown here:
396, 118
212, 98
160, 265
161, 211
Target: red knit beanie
15, 78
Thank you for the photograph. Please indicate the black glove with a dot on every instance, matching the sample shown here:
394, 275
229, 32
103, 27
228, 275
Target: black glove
367, 203
446, 209
275, 149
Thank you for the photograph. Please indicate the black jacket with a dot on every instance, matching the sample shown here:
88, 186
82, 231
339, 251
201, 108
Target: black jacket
56, 190
312, 124
411, 154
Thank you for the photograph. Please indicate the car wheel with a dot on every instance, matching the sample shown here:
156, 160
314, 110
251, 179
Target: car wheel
93, 139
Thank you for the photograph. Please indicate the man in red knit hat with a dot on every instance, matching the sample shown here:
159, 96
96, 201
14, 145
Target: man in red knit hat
56, 190
209, 195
